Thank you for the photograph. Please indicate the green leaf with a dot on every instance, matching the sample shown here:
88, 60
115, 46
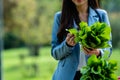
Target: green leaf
94, 36
113, 77
92, 45
84, 43
96, 70
106, 55
104, 45
72, 31
85, 70
85, 77
83, 37
87, 29
93, 60
76, 40
112, 64
75, 33
83, 25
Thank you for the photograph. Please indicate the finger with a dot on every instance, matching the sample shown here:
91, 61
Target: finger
95, 51
72, 43
72, 39
68, 36
87, 50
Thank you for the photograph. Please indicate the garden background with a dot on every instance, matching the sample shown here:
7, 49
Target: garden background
27, 36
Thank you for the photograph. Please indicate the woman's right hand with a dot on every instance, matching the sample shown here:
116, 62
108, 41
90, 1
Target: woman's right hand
70, 40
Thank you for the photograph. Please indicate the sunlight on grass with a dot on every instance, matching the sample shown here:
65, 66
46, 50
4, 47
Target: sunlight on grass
13, 65
116, 56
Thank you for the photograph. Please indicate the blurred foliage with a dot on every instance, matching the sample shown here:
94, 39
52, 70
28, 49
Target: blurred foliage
12, 41
115, 25
113, 9
111, 5
31, 20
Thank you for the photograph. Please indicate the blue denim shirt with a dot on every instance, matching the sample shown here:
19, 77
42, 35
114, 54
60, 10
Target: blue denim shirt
69, 56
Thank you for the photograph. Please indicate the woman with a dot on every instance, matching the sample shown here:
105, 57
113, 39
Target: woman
64, 48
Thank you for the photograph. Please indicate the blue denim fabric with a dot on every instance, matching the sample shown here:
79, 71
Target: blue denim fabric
68, 57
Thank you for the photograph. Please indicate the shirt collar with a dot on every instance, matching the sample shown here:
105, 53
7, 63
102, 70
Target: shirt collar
93, 16
92, 12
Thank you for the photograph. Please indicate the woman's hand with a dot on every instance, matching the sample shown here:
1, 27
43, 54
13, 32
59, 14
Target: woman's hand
91, 51
70, 40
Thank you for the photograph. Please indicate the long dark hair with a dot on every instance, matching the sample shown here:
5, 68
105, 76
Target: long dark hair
70, 13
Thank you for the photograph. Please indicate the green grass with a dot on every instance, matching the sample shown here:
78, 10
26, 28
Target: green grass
12, 64
12, 69
116, 56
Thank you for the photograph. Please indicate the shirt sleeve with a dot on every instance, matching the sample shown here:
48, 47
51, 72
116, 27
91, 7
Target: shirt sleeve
105, 19
59, 50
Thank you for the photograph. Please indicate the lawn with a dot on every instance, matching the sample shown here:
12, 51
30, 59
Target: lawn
13, 67
12, 64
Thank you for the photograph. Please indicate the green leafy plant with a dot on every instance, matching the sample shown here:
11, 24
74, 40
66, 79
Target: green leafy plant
99, 69
94, 36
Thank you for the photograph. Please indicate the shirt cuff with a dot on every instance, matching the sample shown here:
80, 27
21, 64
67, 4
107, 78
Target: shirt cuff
67, 47
101, 52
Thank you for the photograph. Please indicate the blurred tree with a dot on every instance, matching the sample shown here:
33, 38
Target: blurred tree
111, 5
27, 24
31, 21
1, 36
8, 20
9, 24
114, 19
113, 9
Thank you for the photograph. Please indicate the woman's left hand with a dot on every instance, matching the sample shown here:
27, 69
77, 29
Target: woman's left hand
91, 51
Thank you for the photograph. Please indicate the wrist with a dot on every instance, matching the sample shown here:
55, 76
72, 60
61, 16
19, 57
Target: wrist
98, 53
68, 44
